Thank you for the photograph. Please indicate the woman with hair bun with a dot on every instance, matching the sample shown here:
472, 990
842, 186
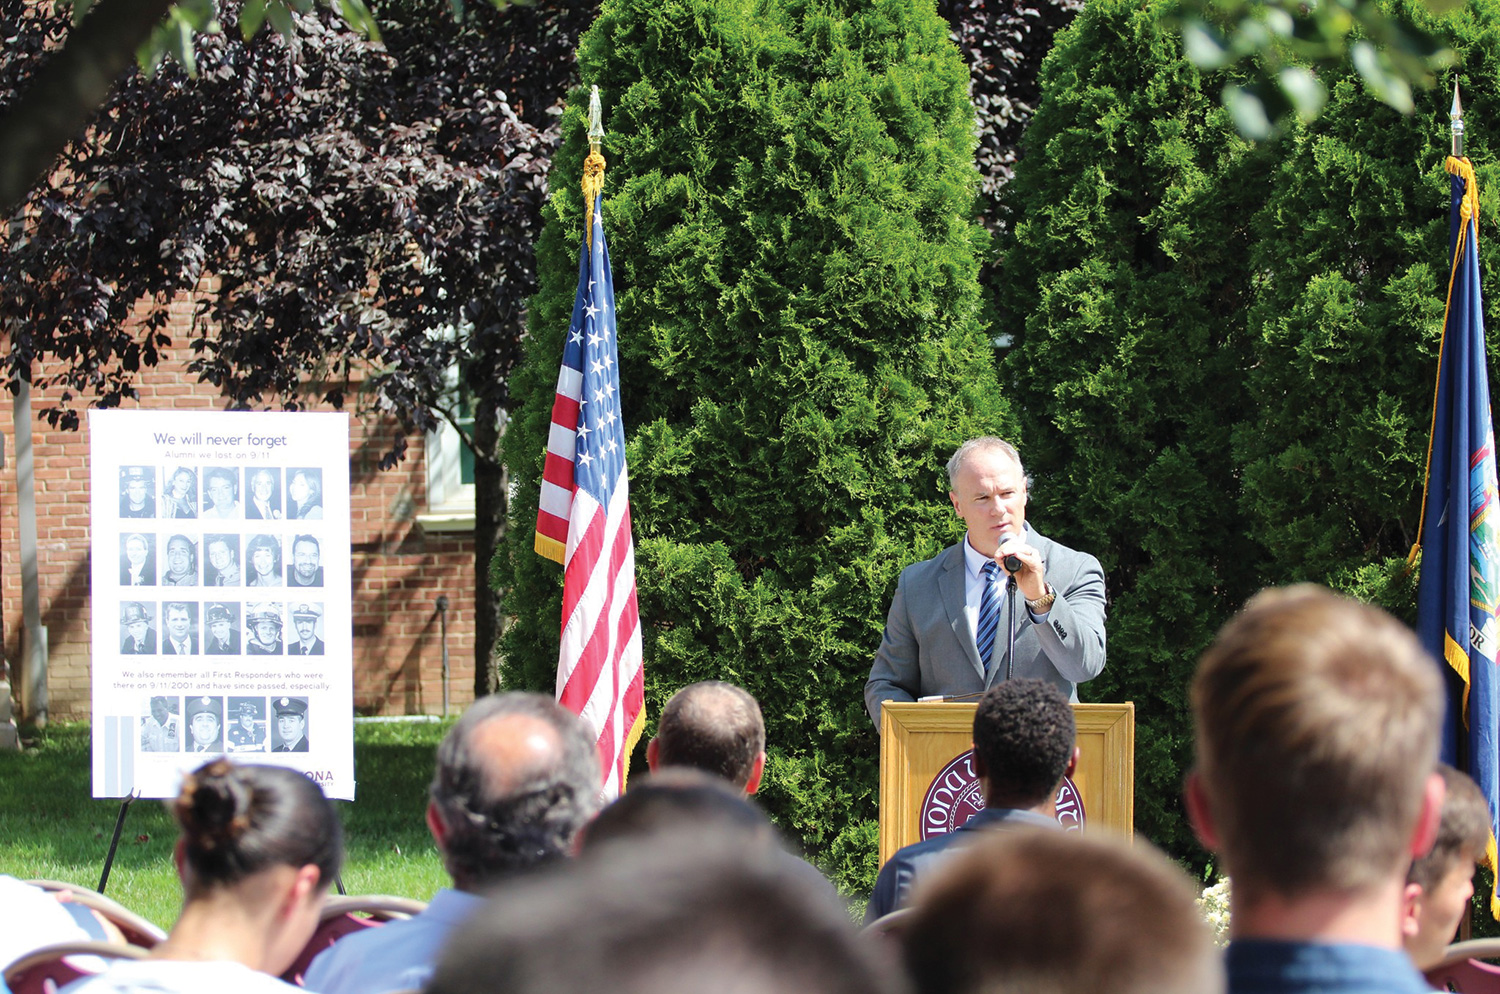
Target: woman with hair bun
260, 846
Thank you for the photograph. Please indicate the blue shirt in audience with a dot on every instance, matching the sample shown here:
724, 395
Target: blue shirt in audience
397, 956
893, 886
1268, 966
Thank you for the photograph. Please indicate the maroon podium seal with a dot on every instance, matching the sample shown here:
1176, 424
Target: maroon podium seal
956, 795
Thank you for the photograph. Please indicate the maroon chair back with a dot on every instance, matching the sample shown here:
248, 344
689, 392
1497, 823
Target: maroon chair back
330, 930
343, 915
45, 970
1462, 968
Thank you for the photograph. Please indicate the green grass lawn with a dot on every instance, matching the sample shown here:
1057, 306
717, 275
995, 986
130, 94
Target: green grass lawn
50, 826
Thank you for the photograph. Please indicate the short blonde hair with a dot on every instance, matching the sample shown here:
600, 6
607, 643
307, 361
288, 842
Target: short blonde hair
1463, 831
1317, 723
1033, 911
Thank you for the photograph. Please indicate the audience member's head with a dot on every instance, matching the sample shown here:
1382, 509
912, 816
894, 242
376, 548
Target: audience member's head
715, 727
1037, 912
263, 841
516, 778
687, 917
1439, 885
1317, 724
674, 800
238, 820
1024, 743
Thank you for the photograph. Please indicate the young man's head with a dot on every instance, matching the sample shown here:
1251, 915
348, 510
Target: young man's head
688, 915
179, 621
205, 721
265, 626
516, 778
1317, 723
291, 720
1024, 737
137, 622
1037, 912
305, 618
715, 727
1439, 885
306, 558
676, 800
221, 554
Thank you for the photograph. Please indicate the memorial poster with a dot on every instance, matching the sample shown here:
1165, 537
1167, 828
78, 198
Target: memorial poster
222, 614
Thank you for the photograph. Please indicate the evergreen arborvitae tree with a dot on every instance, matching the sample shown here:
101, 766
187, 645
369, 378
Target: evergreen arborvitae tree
1124, 286
1351, 263
788, 203
1224, 355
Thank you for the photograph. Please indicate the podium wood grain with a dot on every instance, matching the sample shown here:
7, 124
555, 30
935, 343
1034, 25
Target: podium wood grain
918, 740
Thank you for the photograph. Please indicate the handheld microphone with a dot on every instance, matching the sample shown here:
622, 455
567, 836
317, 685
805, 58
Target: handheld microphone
1012, 563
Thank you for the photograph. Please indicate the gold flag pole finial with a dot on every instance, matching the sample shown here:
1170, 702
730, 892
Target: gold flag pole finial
593, 166
1456, 115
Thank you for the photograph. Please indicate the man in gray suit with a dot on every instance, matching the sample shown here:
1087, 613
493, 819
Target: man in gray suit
947, 607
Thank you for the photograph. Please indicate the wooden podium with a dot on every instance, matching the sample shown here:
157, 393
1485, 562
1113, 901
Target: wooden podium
919, 741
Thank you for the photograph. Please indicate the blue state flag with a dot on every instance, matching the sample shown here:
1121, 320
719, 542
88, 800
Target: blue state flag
1459, 589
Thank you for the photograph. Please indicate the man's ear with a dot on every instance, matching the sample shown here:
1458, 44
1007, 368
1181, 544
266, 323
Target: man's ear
1073, 762
1198, 814
1426, 830
652, 753
953, 497
757, 770
1411, 910
981, 771
435, 825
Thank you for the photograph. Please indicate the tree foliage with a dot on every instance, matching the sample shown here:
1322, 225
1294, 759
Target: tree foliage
1224, 353
353, 222
1124, 289
788, 202
1282, 51
1004, 44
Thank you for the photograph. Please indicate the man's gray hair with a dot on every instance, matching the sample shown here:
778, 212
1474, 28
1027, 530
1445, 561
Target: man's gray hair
984, 443
494, 832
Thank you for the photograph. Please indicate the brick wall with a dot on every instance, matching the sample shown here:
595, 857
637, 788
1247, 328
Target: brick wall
398, 570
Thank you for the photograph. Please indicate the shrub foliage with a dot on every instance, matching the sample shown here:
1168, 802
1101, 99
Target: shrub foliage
789, 207
1224, 353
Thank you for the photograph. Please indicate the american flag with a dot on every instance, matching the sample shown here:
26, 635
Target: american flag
583, 522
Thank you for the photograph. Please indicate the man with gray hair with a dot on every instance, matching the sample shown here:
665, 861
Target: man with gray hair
516, 778
950, 625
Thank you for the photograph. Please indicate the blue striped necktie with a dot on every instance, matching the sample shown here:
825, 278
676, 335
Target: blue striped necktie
989, 613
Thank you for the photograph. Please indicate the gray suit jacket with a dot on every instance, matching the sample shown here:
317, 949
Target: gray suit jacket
928, 647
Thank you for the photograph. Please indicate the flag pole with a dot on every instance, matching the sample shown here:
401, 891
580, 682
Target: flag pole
593, 166
1456, 131
583, 510
1456, 116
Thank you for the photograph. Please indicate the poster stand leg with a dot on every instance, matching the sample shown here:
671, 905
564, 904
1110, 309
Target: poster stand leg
114, 842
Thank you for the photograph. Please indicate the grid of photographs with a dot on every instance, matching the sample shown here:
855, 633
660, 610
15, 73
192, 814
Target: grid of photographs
221, 560
224, 724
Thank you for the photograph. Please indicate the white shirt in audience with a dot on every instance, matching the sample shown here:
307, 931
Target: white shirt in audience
33, 918
165, 976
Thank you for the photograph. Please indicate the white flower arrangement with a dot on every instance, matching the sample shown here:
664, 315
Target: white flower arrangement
1214, 903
